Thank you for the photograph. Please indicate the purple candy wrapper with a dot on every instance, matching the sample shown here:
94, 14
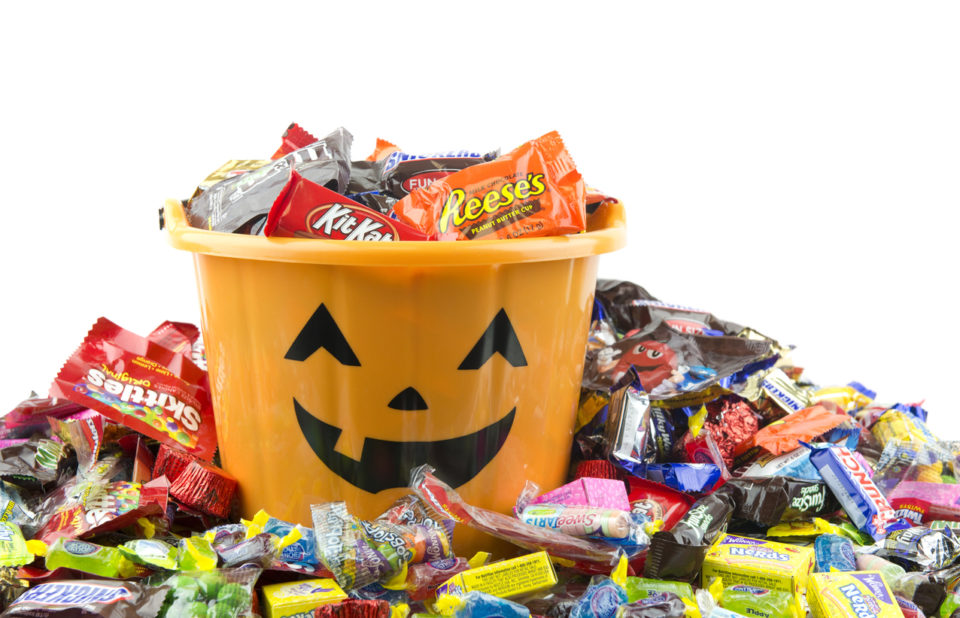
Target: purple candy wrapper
850, 482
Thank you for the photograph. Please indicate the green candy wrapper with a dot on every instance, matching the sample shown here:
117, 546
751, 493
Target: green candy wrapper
752, 601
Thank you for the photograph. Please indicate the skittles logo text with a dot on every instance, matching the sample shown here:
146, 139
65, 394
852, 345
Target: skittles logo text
74, 594
863, 607
759, 552
461, 210
138, 395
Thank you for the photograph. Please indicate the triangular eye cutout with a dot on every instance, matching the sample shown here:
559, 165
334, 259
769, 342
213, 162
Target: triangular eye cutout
322, 332
499, 337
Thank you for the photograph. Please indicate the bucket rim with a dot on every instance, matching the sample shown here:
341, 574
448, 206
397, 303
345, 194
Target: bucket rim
607, 231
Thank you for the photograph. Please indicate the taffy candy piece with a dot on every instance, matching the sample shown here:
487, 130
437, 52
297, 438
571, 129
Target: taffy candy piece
601, 600
87, 557
135, 382
639, 588
477, 604
763, 602
153, 553
534, 190
345, 550
589, 554
660, 605
850, 482
221, 593
834, 553
89, 597
195, 553
13, 547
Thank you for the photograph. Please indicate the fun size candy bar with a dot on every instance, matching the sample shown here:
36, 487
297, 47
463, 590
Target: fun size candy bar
850, 482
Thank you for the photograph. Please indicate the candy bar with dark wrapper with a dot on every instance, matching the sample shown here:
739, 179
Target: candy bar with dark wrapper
89, 598
304, 209
240, 204
403, 172
678, 553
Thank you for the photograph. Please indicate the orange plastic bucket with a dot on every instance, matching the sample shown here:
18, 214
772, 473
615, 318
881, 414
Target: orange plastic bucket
337, 366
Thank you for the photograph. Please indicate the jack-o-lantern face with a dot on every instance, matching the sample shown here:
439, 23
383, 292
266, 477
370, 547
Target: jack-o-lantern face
385, 464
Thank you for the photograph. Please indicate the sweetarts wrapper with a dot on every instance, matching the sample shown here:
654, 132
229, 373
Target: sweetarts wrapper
850, 482
586, 491
857, 594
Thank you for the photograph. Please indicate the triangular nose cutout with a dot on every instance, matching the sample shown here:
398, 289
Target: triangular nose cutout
408, 399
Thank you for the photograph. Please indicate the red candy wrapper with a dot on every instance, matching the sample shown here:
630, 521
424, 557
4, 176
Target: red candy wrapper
145, 386
205, 488
658, 501
596, 468
171, 463
294, 138
305, 209
354, 608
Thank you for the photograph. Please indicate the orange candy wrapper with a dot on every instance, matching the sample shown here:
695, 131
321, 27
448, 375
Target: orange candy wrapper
783, 437
535, 190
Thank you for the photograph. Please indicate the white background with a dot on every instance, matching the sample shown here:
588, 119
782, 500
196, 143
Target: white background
790, 166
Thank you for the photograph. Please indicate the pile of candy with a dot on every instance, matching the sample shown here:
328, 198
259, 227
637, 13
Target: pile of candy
310, 188
708, 478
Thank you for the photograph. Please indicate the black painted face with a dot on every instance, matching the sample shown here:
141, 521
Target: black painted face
385, 464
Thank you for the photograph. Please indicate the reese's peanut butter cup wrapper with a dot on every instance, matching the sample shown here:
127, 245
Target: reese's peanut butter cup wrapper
534, 190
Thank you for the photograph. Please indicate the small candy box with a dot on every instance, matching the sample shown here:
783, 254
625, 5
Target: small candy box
755, 562
300, 598
507, 578
860, 593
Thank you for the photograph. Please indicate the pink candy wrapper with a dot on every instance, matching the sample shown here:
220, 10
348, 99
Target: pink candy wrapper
602, 493
922, 502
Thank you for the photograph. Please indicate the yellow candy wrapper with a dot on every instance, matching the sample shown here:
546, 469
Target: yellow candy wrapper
300, 598
507, 578
853, 594
760, 563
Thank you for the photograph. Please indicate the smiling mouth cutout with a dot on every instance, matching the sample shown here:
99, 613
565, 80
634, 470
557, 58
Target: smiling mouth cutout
385, 464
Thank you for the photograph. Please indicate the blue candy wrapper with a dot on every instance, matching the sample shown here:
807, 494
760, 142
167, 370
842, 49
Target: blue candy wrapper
480, 605
862, 500
834, 552
601, 600
690, 478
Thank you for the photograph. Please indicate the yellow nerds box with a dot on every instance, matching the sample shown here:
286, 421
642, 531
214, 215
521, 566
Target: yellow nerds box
759, 563
506, 578
854, 594
299, 599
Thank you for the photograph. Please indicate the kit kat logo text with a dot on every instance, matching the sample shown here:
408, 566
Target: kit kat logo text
341, 222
